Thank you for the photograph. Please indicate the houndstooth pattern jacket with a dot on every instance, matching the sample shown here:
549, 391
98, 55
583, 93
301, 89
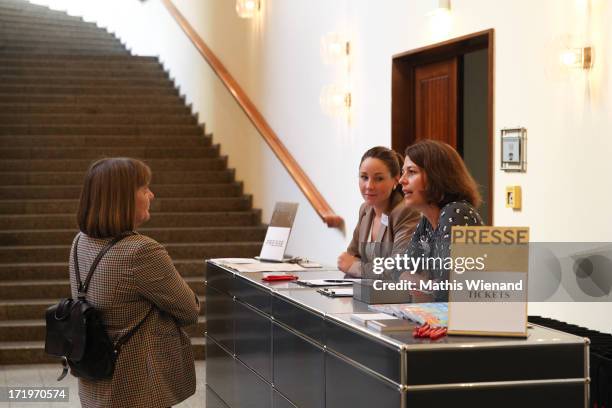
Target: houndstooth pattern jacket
155, 367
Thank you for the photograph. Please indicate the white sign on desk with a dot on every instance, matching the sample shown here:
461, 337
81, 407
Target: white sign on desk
275, 244
490, 300
278, 232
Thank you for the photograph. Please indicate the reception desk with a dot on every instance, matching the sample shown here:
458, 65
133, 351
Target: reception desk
282, 345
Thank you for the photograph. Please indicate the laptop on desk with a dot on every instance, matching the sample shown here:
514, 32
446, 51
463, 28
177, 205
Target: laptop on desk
277, 236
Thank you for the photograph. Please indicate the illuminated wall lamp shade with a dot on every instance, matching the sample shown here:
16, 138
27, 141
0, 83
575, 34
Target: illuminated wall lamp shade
578, 57
247, 8
335, 100
443, 7
334, 48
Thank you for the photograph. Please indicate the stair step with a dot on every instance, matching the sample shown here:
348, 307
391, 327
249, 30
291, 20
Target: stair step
93, 72
35, 330
18, 309
8, 12
67, 178
156, 164
102, 82
38, 11
25, 352
161, 191
59, 270
192, 204
63, 51
99, 109
105, 141
89, 99
87, 90
29, 16
162, 235
33, 352
116, 62
60, 288
97, 118
26, 22
36, 32
190, 250
98, 152
158, 220
43, 45
90, 130
60, 41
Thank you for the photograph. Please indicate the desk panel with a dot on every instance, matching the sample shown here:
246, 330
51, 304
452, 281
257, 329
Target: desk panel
250, 390
364, 349
278, 401
220, 371
298, 318
299, 368
500, 396
258, 297
254, 339
220, 317
213, 400
482, 364
348, 386
219, 278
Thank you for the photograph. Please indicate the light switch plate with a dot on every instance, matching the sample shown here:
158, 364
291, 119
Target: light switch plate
513, 197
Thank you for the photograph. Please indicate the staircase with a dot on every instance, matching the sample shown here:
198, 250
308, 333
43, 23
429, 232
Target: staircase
71, 93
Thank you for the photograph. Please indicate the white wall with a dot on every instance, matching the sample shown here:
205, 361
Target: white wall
275, 57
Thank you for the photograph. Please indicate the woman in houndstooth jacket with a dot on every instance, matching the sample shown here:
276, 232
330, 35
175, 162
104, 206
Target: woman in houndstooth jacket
135, 282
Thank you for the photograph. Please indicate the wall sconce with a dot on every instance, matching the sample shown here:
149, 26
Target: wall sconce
247, 8
444, 8
577, 57
335, 100
334, 48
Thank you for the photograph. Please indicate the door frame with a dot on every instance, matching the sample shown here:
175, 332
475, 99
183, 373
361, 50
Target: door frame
402, 90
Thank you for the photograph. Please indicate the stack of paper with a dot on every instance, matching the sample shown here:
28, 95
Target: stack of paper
254, 265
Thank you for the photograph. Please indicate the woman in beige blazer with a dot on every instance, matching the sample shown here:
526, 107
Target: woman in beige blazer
134, 283
385, 224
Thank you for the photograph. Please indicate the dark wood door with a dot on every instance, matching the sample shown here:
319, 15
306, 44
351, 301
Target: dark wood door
436, 101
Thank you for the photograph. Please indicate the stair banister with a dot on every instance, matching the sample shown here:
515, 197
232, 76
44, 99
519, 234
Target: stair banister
291, 165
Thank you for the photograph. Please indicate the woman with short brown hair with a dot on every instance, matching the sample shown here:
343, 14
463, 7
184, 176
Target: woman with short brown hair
136, 288
436, 183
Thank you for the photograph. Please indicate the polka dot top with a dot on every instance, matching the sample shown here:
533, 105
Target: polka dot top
434, 243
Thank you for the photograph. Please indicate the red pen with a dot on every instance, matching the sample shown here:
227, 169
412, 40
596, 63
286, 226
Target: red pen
277, 278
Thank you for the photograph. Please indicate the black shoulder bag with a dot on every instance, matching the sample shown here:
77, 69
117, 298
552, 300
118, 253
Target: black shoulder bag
76, 332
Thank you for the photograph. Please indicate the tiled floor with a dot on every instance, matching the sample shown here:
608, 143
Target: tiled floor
45, 375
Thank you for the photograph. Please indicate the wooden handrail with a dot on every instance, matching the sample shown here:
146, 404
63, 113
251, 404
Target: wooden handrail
304, 183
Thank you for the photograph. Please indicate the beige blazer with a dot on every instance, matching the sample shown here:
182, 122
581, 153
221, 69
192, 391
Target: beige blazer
155, 367
393, 238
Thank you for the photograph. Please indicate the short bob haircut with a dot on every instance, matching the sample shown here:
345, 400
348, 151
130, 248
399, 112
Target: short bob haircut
107, 205
447, 178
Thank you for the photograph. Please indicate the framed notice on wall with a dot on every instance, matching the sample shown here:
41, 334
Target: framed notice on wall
489, 276
513, 149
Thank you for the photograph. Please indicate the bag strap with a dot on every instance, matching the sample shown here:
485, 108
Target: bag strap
82, 287
129, 334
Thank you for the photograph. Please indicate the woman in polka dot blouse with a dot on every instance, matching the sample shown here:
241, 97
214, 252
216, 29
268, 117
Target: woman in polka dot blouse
436, 183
